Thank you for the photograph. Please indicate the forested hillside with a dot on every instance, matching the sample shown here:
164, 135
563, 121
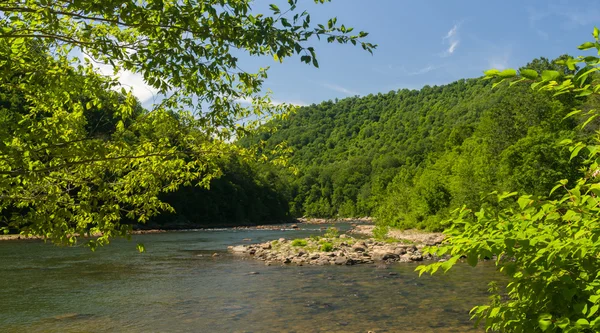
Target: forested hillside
408, 157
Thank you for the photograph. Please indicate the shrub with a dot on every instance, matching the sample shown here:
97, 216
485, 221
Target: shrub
327, 247
299, 242
380, 231
549, 249
332, 232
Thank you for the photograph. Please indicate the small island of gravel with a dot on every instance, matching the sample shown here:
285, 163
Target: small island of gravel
335, 249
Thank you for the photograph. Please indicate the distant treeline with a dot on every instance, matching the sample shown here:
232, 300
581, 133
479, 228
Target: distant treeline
409, 157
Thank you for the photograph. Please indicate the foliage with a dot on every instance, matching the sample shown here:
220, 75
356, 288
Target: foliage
410, 157
549, 248
326, 247
76, 157
380, 232
246, 193
299, 242
332, 232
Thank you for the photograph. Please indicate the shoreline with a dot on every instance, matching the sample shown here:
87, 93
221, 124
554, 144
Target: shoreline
279, 226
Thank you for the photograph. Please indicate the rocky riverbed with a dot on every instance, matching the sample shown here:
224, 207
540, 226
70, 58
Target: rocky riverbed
342, 250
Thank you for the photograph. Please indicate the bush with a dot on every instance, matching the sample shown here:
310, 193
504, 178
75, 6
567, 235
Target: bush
327, 247
332, 232
549, 249
299, 242
380, 232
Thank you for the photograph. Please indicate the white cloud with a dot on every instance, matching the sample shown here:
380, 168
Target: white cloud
452, 39
452, 32
340, 89
424, 70
127, 79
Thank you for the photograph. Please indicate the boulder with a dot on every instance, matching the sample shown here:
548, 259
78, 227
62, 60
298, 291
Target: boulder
359, 247
383, 254
266, 246
341, 261
238, 249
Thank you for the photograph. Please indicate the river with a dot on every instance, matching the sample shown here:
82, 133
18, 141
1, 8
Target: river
178, 286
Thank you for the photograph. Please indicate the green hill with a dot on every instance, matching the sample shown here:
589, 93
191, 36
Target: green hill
408, 157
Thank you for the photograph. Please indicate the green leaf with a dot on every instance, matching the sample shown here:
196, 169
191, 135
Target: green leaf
508, 73
575, 151
545, 321
529, 74
274, 8
472, 259
582, 323
586, 46
562, 322
548, 75
491, 72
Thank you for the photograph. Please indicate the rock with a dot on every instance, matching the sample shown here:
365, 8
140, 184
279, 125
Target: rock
405, 257
416, 257
359, 247
253, 273
435, 240
246, 239
238, 249
294, 226
215, 254
343, 236
281, 240
341, 261
322, 262
286, 260
383, 254
314, 256
266, 246
400, 251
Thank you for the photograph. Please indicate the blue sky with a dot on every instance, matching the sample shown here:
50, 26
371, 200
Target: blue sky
419, 43
426, 43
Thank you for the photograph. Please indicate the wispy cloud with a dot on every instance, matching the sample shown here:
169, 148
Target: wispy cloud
452, 39
340, 89
424, 70
452, 32
127, 79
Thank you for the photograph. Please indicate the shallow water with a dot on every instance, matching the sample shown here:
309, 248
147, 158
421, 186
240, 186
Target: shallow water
177, 286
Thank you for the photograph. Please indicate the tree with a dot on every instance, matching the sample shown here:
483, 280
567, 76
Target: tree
548, 248
59, 176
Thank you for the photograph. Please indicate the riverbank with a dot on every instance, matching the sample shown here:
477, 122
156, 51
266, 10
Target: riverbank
22, 237
293, 225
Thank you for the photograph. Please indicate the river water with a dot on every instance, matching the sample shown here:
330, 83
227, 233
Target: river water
178, 286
